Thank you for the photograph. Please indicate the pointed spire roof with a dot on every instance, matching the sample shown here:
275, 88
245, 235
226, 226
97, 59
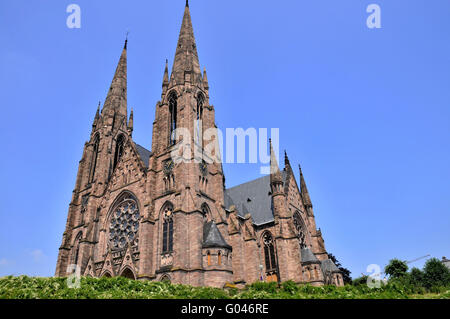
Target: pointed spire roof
304, 190
186, 56
116, 100
275, 174
308, 257
287, 164
212, 238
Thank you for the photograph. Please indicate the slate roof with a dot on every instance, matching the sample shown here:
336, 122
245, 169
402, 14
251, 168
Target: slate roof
308, 256
328, 266
212, 236
253, 197
144, 153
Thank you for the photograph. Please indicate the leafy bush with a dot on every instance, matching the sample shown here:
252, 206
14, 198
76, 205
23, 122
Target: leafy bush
416, 277
114, 288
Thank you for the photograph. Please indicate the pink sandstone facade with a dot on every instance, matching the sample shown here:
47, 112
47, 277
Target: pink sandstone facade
138, 214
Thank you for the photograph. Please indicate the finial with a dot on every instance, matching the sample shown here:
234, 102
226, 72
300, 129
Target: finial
187, 3
126, 40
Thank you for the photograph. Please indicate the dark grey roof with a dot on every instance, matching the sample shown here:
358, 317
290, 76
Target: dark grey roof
144, 153
212, 236
253, 197
329, 266
308, 256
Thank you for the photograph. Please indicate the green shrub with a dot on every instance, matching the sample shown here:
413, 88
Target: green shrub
23, 287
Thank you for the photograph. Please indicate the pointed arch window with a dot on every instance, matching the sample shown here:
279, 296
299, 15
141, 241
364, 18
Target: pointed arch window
199, 120
119, 149
173, 117
206, 212
167, 239
270, 257
76, 251
299, 226
94, 157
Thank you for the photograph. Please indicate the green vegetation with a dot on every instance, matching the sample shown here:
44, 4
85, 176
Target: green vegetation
112, 288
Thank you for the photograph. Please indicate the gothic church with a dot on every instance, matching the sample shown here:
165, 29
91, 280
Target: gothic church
135, 213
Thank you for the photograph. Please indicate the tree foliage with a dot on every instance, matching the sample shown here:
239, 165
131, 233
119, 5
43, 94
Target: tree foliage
396, 268
435, 274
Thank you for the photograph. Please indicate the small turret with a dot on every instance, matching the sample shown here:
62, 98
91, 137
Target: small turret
130, 122
165, 83
97, 116
205, 80
276, 180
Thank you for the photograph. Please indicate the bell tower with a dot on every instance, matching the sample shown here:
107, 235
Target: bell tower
183, 171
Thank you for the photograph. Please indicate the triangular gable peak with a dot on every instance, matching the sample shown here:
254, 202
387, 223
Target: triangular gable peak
90, 270
108, 266
127, 261
129, 169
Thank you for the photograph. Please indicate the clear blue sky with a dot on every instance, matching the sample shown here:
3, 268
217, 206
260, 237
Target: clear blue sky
366, 112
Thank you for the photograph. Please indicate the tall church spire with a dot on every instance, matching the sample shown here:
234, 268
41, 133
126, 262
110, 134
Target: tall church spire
186, 56
116, 100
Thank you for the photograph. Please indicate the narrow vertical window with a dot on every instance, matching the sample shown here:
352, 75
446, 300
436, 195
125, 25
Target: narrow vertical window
94, 158
209, 258
168, 229
270, 257
199, 121
219, 258
173, 118
119, 150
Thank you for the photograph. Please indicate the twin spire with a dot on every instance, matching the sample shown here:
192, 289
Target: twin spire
277, 179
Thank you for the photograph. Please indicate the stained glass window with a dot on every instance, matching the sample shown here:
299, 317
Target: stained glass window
124, 225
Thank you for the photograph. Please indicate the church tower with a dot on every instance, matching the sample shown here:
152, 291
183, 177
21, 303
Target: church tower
110, 132
189, 188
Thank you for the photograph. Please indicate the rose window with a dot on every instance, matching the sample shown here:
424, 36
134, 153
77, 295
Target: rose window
124, 225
